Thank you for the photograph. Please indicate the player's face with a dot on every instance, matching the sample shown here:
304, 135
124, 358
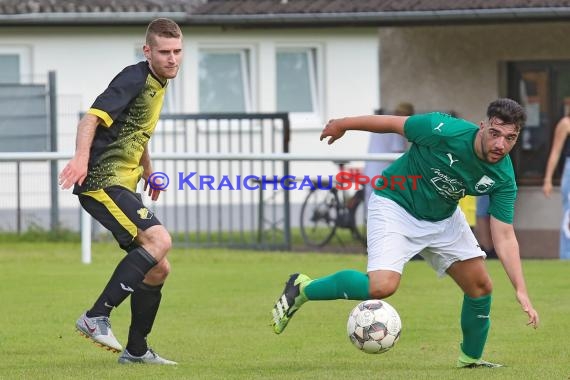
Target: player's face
164, 56
497, 139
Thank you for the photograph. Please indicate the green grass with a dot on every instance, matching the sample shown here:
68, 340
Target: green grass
273, 238
215, 319
36, 233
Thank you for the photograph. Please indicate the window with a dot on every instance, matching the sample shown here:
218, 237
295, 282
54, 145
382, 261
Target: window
543, 88
296, 80
9, 68
298, 84
224, 81
15, 65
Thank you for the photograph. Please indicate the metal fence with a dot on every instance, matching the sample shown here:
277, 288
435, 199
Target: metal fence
29, 124
274, 214
232, 202
221, 202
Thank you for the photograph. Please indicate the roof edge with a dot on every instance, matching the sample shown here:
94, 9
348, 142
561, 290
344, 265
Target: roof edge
291, 19
385, 18
83, 18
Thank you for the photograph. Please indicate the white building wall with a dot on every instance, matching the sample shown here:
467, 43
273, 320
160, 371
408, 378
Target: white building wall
86, 59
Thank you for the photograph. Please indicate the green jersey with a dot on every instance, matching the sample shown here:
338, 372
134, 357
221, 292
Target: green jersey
129, 109
441, 167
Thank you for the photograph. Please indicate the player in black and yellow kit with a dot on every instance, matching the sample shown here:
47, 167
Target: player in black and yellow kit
111, 157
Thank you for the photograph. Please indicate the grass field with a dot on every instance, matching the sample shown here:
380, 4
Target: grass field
215, 317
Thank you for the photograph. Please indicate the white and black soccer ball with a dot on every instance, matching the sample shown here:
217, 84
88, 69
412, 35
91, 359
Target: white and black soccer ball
374, 326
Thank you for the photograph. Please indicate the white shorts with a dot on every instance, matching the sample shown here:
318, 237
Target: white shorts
395, 236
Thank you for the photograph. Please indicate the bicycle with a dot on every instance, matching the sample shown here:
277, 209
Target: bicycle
327, 209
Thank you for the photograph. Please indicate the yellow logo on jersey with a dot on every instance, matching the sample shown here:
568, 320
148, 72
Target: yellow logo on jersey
144, 213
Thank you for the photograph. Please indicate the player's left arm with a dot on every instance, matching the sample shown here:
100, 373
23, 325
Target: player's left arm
507, 248
146, 163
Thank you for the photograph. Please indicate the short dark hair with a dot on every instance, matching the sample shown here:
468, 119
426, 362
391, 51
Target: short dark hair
162, 27
509, 111
404, 109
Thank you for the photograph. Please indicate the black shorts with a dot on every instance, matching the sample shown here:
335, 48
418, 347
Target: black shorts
119, 210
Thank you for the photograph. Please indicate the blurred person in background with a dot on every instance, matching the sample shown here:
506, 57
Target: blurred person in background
560, 134
385, 143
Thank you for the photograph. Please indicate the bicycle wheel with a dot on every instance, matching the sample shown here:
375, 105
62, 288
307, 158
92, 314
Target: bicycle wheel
318, 217
359, 215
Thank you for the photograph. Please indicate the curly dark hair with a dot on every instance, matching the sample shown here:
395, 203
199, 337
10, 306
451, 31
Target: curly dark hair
508, 111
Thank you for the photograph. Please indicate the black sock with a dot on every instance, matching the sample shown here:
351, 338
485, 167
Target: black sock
127, 276
144, 306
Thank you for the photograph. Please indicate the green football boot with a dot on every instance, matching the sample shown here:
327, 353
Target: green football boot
289, 302
465, 361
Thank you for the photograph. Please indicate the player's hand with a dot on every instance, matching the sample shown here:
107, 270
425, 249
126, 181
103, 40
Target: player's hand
526, 305
74, 172
333, 130
152, 193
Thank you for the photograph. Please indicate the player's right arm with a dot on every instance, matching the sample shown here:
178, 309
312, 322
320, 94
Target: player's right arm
76, 169
560, 134
336, 128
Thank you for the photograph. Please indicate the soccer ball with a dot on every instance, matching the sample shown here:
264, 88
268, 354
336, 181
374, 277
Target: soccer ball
374, 326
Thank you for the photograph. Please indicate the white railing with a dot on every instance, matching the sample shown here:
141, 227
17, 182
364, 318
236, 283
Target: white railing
86, 218
47, 156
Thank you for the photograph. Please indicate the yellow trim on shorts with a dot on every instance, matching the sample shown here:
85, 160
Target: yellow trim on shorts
107, 121
102, 197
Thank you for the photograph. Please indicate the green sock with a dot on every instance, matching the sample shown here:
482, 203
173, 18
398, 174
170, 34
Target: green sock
346, 284
475, 323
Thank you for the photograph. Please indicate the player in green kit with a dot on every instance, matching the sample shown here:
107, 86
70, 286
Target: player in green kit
452, 158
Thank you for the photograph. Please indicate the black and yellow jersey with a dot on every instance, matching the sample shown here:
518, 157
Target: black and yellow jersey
129, 109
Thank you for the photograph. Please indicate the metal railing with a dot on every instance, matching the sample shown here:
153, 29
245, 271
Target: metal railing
253, 228
213, 213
